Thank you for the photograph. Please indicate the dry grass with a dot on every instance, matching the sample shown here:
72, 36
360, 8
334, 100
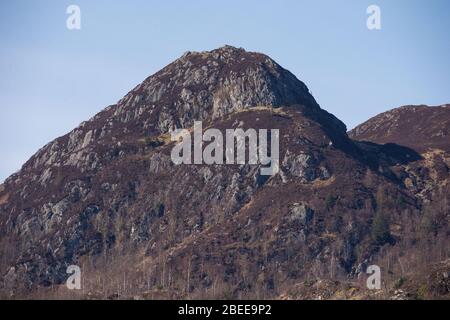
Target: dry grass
323, 183
158, 141
278, 110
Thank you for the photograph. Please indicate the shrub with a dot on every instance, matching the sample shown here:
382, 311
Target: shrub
399, 283
330, 201
380, 229
429, 224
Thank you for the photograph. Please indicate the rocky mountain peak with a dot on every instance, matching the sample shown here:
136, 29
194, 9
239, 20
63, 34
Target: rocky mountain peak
197, 86
210, 84
225, 52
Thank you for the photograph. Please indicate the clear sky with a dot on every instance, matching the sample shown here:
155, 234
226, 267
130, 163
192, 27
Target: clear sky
51, 78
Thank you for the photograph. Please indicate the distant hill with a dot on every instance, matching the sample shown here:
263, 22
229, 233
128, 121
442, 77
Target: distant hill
418, 127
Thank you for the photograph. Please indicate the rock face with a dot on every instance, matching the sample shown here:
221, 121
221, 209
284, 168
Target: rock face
108, 198
301, 212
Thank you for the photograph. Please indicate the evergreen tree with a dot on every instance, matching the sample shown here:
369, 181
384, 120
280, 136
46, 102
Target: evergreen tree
380, 229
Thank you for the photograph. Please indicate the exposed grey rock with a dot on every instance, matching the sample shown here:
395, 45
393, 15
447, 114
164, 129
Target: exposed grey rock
301, 212
301, 165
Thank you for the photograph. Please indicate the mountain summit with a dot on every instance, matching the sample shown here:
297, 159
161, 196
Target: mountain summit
215, 83
209, 84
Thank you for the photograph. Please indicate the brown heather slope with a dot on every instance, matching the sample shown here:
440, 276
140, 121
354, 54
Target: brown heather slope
107, 197
418, 127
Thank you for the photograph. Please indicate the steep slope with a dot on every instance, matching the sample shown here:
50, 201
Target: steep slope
108, 198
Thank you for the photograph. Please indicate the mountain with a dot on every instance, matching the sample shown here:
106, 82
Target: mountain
424, 129
108, 198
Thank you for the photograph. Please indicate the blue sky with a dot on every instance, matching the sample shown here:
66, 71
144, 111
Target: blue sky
51, 78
